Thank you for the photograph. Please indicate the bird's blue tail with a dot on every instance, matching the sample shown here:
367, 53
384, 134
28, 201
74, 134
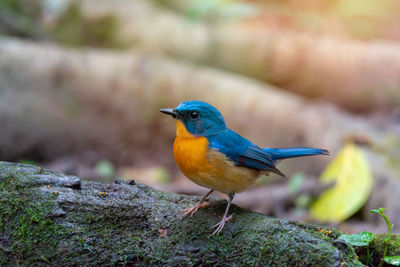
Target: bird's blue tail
292, 152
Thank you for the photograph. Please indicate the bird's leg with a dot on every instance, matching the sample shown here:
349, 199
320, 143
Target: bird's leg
199, 205
221, 224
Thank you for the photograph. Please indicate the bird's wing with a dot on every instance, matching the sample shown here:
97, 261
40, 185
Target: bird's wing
241, 151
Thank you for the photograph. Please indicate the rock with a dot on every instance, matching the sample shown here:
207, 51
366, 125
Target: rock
48, 222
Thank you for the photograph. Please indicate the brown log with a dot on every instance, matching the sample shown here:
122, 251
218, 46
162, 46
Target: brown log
53, 219
360, 76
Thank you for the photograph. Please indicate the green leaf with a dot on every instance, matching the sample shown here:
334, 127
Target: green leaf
352, 175
379, 211
394, 260
360, 240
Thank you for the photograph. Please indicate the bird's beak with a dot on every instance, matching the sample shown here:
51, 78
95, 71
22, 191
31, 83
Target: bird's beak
170, 111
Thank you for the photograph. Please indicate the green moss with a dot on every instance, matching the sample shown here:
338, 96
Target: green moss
244, 234
26, 221
378, 245
122, 228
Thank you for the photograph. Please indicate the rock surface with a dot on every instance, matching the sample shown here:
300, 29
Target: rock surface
51, 218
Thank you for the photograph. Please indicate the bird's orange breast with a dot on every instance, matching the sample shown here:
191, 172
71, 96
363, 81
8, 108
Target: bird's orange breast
208, 167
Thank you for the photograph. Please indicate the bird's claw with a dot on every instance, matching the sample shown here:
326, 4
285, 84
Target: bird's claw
194, 209
220, 225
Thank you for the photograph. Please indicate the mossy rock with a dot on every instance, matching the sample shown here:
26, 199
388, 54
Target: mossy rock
48, 218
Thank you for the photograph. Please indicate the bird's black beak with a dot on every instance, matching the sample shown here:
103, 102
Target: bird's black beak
170, 111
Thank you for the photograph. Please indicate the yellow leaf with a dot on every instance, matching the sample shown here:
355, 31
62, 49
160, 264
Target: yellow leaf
353, 181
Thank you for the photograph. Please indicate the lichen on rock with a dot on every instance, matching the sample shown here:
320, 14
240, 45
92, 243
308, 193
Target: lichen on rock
54, 221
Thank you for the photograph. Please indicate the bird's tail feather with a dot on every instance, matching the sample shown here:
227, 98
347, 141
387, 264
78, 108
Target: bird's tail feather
292, 152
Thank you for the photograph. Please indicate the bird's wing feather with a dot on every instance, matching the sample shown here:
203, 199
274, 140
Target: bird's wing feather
292, 152
256, 158
241, 151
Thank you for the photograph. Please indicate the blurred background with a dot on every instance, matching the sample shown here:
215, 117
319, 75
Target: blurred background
82, 82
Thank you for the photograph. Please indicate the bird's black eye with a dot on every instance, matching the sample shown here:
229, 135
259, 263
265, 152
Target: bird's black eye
194, 114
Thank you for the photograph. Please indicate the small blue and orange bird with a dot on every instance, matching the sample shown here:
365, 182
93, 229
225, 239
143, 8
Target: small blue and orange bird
213, 156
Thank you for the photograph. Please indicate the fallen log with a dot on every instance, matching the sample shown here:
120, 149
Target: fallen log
360, 76
48, 218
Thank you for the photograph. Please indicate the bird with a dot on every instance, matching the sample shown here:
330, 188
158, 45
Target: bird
214, 156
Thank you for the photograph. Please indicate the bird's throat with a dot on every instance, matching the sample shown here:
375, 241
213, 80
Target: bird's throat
181, 131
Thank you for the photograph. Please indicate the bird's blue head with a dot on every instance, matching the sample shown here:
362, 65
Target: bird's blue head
199, 118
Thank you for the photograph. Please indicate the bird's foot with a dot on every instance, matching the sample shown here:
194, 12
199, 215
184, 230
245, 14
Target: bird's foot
195, 208
220, 225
